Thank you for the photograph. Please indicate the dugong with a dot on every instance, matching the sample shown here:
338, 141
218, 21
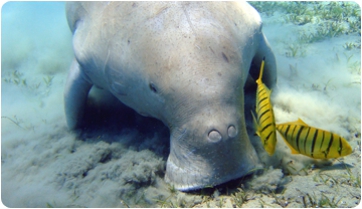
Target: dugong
184, 63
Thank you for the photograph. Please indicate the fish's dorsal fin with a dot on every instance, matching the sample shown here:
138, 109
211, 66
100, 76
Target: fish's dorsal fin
259, 81
299, 121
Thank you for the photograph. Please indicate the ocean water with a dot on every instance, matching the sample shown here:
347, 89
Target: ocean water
44, 165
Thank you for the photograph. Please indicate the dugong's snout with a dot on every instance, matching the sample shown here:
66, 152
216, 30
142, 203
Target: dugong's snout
216, 153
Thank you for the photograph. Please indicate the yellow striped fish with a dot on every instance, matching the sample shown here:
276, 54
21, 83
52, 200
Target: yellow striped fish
312, 142
265, 122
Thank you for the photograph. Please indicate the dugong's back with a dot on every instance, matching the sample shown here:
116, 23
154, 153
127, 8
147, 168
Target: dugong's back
118, 35
184, 63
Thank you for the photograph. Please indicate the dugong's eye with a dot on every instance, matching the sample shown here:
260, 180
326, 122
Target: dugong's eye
153, 87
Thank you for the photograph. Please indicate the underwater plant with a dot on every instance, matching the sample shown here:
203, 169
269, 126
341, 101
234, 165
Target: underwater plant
48, 80
294, 50
321, 202
351, 45
16, 78
18, 122
239, 197
333, 18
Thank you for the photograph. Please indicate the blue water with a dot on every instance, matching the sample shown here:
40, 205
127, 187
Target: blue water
38, 21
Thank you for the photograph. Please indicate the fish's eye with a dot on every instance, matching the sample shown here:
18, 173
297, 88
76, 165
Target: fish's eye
153, 87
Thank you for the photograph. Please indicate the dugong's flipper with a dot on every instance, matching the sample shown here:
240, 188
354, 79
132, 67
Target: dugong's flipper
75, 95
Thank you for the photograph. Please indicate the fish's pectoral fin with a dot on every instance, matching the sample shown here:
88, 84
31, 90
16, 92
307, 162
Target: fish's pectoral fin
256, 124
293, 151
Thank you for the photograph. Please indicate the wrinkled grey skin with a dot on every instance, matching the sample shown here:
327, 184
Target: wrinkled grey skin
184, 63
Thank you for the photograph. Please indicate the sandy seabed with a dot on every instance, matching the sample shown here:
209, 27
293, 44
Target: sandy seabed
118, 159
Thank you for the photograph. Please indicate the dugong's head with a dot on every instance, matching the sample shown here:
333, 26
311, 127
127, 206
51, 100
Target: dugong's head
197, 64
